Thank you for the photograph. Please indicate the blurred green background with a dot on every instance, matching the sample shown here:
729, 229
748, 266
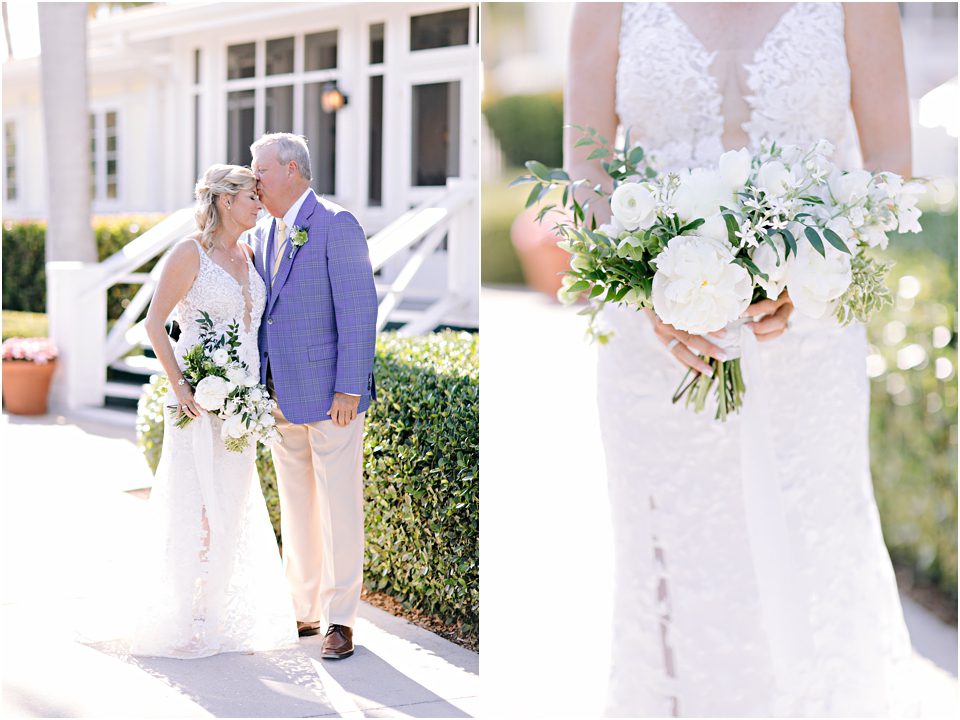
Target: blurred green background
912, 361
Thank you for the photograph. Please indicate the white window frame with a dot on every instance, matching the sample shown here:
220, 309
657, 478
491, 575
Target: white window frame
100, 203
17, 160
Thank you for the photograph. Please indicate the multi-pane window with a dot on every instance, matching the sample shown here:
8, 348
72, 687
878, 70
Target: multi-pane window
10, 160
104, 156
276, 85
375, 59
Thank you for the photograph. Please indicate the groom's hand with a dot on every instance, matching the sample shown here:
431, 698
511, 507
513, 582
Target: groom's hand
343, 411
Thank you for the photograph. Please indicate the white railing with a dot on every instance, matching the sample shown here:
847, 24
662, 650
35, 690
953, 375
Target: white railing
77, 292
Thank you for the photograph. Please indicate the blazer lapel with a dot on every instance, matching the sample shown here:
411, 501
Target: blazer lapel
306, 211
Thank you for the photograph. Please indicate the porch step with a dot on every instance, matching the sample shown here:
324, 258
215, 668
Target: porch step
139, 366
123, 390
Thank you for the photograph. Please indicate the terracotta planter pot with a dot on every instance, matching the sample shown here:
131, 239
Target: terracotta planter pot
26, 386
541, 260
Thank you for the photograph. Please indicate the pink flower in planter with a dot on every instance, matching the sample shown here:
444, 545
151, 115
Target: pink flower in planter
37, 350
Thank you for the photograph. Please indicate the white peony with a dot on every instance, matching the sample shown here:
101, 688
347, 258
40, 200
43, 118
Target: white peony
816, 282
697, 287
211, 392
849, 188
735, 168
220, 357
633, 206
772, 264
774, 178
233, 427
700, 194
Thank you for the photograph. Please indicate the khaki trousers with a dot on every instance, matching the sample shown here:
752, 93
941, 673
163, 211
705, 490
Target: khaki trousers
320, 484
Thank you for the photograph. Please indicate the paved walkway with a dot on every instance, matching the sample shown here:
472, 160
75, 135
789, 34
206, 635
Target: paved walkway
70, 527
545, 523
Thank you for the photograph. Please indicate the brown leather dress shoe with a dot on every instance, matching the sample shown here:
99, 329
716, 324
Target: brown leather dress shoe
308, 629
337, 643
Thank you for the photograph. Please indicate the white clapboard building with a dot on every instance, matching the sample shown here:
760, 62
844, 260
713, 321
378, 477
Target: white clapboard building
387, 95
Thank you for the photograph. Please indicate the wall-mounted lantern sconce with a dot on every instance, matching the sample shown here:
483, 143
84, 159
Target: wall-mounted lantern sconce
331, 99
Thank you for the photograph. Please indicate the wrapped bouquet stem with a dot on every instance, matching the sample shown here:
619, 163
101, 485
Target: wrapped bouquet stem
700, 246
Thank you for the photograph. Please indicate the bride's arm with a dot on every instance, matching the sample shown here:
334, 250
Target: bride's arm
878, 85
178, 274
589, 99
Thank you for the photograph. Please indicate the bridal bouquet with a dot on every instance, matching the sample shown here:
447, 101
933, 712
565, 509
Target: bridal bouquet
224, 386
698, 247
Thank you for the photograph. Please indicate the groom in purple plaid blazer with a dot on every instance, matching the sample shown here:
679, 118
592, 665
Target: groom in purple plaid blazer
317, 339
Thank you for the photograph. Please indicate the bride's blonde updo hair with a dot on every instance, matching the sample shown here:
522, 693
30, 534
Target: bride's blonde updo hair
216, 181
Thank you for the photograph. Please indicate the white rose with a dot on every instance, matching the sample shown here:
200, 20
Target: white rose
772, 264
849, 188
236, 375
700, 194
697, 288
211, 392
773, 178
816, 282
220, 356
735, 168
633, 206
233, 427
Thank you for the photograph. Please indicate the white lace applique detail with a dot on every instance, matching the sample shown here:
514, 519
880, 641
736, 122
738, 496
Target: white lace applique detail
799, 80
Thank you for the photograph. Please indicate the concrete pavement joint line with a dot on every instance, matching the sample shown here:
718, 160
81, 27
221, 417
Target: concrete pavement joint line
402, 705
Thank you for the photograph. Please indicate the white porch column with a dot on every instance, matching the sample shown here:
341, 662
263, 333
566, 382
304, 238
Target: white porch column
463, 255
77, 312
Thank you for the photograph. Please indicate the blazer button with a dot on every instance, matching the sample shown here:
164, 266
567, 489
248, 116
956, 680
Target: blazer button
269, 321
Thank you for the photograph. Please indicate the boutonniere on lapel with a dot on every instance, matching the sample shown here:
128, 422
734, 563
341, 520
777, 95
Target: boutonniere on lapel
298, 238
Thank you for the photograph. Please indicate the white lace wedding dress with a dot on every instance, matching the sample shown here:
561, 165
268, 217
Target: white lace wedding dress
692, 634
214, 580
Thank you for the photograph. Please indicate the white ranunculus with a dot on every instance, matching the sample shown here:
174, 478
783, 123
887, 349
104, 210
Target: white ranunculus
697, 287
700, 194
735, 168
613, 229
633, 206
211, 392
220, 357
816, 282
849, 188
773, 178
772, 264
233, 427
714, 228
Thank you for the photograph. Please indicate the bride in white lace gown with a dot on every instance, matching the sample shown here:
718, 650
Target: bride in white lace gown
692, 633
214, 578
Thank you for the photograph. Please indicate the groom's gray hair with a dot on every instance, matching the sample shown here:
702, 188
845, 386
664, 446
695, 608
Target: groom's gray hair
289, 147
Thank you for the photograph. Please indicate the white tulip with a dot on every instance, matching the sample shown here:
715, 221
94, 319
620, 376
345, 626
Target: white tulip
773, 178
700, 194
633, 206
697, 287
735, 168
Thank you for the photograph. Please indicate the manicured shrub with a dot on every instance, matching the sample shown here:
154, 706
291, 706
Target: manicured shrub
421, 472
24, 276
528, 127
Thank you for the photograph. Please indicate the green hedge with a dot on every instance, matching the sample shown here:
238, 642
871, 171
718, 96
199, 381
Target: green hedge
913, 433
421, 462
528, 127
24, 277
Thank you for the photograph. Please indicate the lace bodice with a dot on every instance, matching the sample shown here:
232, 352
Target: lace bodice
798, 83
217, 293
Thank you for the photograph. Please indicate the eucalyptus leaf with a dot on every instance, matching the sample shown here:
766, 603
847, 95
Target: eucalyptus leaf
538, 169
815, 240
599, 153
835, 240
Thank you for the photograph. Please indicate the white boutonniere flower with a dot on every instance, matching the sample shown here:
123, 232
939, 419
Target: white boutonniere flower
298, 238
